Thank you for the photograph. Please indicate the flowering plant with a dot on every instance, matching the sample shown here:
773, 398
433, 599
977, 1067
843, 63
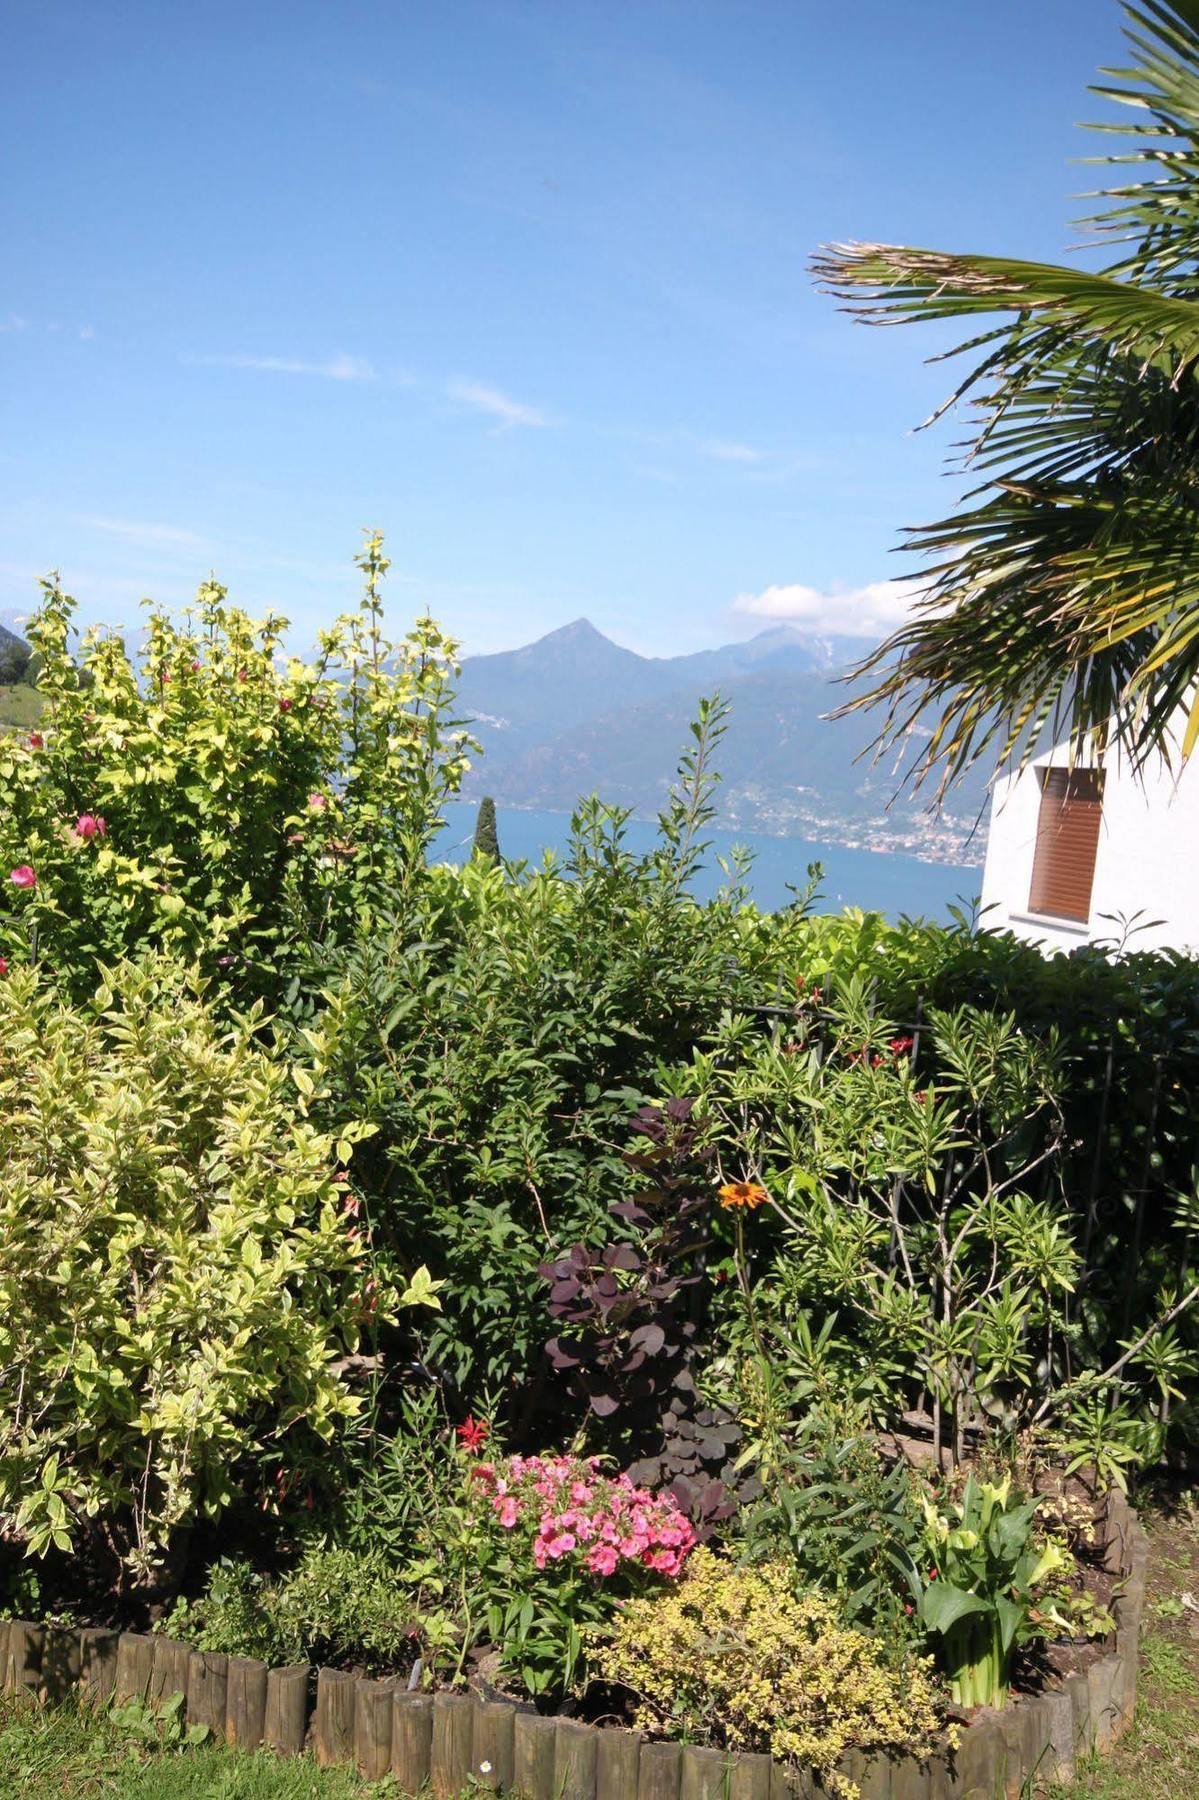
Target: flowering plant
566, 1507
211, 796
556, 1543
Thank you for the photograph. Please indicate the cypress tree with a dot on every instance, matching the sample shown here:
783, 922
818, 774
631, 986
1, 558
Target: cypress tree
486, 841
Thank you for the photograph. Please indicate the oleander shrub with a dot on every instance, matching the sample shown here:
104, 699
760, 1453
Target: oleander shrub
733, 1656
182, 1270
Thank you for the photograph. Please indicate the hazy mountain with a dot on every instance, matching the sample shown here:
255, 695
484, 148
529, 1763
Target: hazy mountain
575, 713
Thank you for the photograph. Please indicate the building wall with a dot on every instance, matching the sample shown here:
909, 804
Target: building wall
1147, 861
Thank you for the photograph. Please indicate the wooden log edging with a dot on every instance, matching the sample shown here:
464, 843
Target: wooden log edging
447, 1742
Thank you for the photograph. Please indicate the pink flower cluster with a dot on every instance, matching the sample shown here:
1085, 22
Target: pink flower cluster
572, 1509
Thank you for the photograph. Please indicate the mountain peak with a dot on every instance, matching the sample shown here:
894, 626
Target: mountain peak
579, 631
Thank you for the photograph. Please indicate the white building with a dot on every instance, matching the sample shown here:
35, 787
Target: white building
1067, 847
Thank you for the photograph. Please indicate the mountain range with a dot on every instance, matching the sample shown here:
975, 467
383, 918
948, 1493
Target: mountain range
575, 713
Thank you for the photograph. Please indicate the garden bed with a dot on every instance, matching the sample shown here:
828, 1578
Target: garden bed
448, 1741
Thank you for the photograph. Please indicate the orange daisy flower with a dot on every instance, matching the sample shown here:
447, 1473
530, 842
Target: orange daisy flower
742, 1193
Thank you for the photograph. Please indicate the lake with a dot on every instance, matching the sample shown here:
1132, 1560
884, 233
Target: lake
876, 882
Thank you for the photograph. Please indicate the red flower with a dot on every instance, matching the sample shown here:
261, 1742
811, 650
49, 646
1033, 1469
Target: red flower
3, 966
473, 1433
242, 676
285, 705
36, 741
90, 825
195, 668
22, 876
900, 1046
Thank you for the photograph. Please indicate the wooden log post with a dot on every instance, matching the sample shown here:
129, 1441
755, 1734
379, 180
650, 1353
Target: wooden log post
23, 1662
135, 1663
658, 1772
372, 1727
617, 1756
245, 1702
207, 1690
285, 1720
451, 1745
750, 1777
411, 1739
333, 1725
170, 1668
574, 1760
790, 1781
98, 1666
533, 1746
703, 1774
60, 1663
492, 1753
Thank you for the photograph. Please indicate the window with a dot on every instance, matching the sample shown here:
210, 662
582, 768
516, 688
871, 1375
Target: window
1063, 870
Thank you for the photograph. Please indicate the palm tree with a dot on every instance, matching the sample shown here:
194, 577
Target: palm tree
1065, 589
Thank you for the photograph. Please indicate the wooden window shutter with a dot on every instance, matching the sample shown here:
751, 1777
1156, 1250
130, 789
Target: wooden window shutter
1063, 870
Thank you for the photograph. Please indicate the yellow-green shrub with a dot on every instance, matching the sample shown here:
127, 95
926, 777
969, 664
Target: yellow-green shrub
180, 1268
732, 1655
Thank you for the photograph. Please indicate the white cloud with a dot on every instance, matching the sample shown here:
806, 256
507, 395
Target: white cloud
13, 323
869, 611
497, 405
137, 531
337, 368
725, 451
87, 331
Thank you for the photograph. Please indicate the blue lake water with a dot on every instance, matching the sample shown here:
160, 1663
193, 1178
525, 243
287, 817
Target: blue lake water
892, 885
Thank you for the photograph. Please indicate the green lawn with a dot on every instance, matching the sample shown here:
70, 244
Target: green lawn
20, 707
1159, 1759
63, 1754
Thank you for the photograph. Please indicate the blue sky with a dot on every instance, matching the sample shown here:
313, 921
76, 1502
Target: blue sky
522, 284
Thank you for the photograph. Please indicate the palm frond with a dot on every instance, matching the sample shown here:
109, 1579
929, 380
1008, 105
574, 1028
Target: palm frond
1063, 594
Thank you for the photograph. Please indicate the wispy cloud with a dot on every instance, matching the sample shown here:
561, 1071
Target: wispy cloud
869, 611
496, 404
13, 323
139, 531
723, 450
335, 368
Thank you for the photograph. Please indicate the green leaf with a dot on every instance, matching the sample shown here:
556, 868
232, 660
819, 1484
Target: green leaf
942, 1605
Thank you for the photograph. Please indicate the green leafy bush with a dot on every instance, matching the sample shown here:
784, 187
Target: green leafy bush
213, 799
337, 1607
180, 1272
849, 1526
499, 1030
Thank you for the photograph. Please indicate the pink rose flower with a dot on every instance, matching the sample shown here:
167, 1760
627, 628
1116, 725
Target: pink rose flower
90, 825
22, 876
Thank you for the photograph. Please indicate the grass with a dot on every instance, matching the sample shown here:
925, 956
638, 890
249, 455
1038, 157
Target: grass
63, 1753
20, 707
1159, 1758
